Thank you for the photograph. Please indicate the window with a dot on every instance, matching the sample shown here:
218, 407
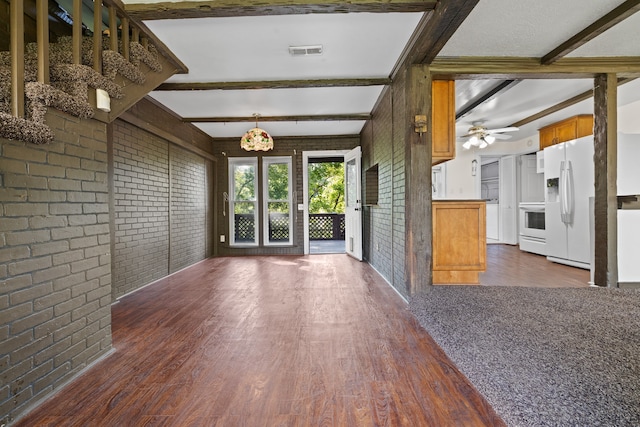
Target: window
277, 200
243, 201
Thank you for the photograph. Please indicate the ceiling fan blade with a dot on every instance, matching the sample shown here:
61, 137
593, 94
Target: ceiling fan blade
499, 130
501, 136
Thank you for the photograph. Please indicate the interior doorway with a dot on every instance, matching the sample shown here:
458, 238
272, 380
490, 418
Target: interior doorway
324, 202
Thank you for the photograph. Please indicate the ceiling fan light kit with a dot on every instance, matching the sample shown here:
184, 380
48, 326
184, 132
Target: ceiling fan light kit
481, 137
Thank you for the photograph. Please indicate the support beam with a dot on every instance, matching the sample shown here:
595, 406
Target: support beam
312, 118
16, 14
486, 97
612, 18
228, 8
606, 171
562, 105
477, 67
418, 223
275, 84
433, 32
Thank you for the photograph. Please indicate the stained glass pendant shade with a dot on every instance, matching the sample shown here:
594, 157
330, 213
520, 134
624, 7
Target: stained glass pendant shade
256, 139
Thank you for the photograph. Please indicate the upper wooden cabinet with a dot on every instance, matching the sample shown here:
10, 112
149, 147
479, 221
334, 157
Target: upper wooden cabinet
443, 137
566, 130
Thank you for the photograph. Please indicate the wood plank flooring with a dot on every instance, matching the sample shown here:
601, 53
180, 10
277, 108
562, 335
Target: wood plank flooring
269, 341
509, 266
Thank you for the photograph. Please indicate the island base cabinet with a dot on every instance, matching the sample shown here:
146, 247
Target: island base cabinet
459, 241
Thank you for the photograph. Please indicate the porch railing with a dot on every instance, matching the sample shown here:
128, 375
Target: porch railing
326, 226
321, 227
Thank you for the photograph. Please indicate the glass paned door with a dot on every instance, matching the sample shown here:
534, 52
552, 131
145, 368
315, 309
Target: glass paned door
243, 204
277, 201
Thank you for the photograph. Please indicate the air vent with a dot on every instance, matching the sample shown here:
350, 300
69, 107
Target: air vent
305, 50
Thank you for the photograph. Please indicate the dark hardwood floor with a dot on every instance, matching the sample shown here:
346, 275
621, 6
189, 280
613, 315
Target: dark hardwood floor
509, 266
315, 340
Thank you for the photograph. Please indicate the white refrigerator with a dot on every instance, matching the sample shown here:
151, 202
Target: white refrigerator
568, 174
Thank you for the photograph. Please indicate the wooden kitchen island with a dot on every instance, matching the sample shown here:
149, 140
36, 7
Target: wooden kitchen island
459, 241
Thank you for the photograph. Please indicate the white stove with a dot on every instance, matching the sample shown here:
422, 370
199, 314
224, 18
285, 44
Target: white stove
532, 227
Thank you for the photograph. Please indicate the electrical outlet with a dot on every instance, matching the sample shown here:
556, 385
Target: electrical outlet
223, 238
377, 246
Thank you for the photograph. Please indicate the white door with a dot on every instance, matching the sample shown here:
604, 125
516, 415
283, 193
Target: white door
508, 201
353, 205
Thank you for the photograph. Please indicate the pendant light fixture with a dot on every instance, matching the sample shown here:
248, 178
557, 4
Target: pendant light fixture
256, 139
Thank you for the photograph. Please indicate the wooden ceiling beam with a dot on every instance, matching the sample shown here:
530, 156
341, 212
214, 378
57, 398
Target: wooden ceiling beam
262, 119
228, 8
432, 33
562, 105
274, 84
469, 68
612, 18
486, 97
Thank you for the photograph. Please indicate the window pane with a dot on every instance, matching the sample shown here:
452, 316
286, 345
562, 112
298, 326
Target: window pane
244, 182
278, 221
244, 221
278, 177
350, 184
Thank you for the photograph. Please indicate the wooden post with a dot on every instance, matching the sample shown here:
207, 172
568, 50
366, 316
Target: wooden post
113, 28
418, 223
135, 35
77, 32
125, 38
97, 36
17, 57
606, 171
42, 16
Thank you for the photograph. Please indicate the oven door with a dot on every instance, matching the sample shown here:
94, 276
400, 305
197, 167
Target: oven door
532, 221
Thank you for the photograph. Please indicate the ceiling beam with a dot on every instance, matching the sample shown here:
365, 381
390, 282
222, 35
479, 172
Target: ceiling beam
562, 105
274, 84
432, 33
469, 68
262, 119
227, 8
486, 97
612, 18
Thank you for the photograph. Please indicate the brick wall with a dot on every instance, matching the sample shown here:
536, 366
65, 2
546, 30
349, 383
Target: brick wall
55, 273
140, 208
159, 208
282, 147
188, 208
384, 225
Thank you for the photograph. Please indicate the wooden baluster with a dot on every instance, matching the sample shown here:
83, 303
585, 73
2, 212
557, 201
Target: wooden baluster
77, 32
42, 14
135, 35
125, 37
17, 57
113, 28
97, 36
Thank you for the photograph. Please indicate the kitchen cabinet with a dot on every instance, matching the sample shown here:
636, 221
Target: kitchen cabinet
566, 130
443, 137
459, 241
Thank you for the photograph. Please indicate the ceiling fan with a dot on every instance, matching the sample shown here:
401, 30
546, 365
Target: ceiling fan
481, 137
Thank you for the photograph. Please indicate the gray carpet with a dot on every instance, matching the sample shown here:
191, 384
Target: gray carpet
543, 357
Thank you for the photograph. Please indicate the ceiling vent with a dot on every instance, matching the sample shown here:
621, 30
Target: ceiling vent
305, 50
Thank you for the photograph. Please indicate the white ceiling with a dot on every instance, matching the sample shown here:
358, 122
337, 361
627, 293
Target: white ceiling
368, 45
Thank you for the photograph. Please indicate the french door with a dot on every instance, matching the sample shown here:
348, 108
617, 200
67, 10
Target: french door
353, 203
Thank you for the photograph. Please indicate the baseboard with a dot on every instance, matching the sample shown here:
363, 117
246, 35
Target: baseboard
29, 408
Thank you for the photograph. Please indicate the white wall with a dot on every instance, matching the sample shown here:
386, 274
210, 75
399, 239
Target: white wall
461, 184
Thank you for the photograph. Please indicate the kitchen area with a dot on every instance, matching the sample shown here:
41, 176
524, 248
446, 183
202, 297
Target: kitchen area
542, 199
